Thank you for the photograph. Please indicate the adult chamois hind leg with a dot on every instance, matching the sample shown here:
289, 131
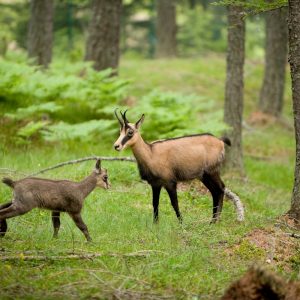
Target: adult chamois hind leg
216, 187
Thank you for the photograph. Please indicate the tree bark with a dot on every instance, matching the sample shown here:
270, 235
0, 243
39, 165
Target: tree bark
166, 28
271, 94
294, 60
40, 34
234, 89
102, 45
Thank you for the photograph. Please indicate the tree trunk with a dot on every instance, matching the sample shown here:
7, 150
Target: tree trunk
192, 4
233, 110
166, 28
40, 33
294, 60
102, 45
271, 94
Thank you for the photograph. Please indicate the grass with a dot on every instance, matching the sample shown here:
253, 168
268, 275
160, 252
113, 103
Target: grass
140, 259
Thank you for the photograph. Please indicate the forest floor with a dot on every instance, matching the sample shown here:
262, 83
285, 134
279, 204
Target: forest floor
130, 257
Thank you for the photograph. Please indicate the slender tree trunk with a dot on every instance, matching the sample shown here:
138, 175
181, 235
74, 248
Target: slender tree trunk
40, 33
294, 60
271, 94
192, 3
166, 28
234, 89
102, 45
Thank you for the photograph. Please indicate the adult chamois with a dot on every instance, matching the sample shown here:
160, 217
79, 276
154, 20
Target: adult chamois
55, 195
164, 163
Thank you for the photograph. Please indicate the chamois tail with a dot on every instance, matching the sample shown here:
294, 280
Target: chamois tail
226, 140
8, 182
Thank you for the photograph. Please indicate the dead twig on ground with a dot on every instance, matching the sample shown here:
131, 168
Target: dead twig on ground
294, 235
41, 257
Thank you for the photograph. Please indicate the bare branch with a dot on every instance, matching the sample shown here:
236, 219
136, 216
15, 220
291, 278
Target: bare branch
76, 161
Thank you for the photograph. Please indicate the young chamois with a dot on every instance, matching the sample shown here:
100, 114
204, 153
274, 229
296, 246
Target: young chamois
55, 195
164, 163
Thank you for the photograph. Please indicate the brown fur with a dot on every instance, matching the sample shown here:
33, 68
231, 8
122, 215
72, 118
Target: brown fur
164, 163
259, 284
180, 159
55, 195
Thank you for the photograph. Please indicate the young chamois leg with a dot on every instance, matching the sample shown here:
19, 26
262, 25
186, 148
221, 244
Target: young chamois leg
13, 210
155, 201
216, 187
56, 222
81, 225
3, 224
172, 191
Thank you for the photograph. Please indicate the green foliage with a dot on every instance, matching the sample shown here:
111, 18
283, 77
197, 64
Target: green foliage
11, 14
89, 88
255, 6
35, 111
83, 131
201, 31
173, 114
72, 93
30, 129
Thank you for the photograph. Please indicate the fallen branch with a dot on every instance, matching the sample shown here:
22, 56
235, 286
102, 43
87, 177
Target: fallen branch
9, 171
294, 235
76, 161
40, 257
237, 204
45, 257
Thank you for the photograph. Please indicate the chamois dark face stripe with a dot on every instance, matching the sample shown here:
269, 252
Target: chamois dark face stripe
127, 137
181, 137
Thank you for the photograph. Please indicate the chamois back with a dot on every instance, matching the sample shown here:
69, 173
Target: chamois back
186, 157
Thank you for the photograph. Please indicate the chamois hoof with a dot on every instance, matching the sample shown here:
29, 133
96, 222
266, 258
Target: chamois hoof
214, 221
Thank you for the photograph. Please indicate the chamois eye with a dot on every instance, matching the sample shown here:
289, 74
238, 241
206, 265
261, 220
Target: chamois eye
105, 177
130, 132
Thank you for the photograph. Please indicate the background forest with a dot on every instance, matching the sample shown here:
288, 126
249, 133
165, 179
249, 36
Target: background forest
191, 66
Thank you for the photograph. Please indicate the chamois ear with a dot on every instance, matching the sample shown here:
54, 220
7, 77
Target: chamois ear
98, 165
140, 122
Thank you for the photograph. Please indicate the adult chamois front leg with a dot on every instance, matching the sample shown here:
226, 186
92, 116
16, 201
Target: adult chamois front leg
155, 201
172, 191
55, 222
81, 225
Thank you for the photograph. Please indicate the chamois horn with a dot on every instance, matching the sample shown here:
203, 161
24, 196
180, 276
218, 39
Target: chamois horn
98, 164
118, 117
124, 116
